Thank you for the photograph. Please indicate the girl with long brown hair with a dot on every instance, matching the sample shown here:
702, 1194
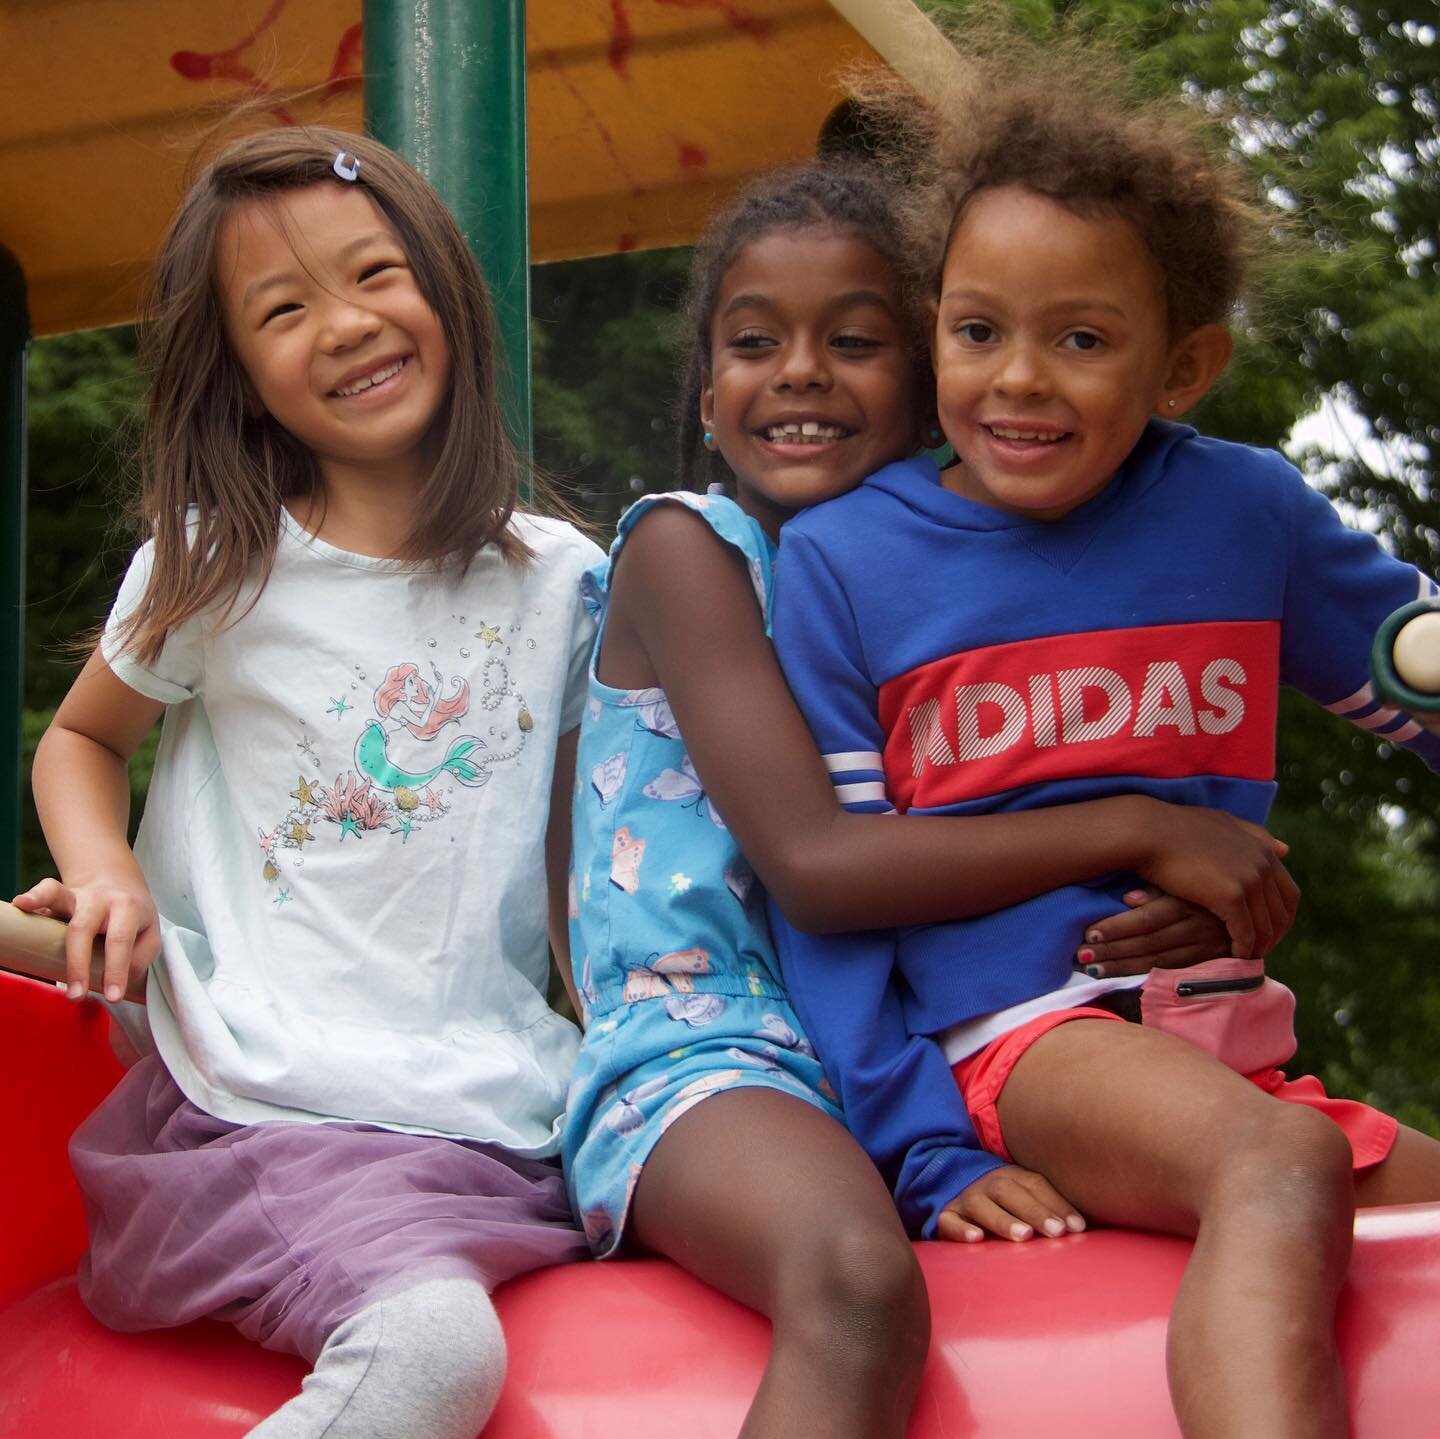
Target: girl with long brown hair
372, 667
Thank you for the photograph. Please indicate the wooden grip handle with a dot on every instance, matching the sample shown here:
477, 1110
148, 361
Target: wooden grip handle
31, 944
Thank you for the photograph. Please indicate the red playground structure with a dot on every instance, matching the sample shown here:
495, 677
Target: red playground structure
1062, 1336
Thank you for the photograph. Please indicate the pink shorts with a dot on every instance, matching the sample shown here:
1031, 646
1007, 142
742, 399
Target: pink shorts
982, 1077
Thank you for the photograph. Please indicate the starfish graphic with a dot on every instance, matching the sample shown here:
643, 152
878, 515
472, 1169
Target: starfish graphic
306, 792
405, 828
300, 832
348, 826
283, 897
338, 707
489, 633
433, 802
267, 841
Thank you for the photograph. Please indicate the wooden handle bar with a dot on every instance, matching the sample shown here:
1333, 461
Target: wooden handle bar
31, 944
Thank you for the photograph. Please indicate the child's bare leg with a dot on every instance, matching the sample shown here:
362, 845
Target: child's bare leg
1137, 1128
769, 1201
1410, 1174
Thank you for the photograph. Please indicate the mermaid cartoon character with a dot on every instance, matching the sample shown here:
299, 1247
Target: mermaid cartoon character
404, 697
406, 701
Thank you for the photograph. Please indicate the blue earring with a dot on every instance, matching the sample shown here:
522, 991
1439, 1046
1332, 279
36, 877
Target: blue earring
709, 438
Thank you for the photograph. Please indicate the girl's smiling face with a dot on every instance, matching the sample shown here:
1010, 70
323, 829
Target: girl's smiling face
323, 312
1052, 351
811, 384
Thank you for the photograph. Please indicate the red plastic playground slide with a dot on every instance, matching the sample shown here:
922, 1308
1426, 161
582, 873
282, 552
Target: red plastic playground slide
1063, 1337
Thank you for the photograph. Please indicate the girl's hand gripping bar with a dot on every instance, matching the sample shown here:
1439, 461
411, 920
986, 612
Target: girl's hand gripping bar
34, 945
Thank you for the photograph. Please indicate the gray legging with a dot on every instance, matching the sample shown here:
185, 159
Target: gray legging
424, 1363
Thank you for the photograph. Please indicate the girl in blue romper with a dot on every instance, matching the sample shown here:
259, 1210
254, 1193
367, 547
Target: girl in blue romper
804, 363
682, 996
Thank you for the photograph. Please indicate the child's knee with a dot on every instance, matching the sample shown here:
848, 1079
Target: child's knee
440, 1343
1291, 1163
458, 1316
425, 1360
860, 1285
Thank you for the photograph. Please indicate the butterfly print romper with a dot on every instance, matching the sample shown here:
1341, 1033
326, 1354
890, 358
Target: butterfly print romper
677, 975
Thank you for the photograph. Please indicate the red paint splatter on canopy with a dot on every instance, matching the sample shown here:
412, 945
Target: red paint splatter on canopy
737, 17
628, 241
223, 64
551, 60
345, 71
622, 39
692, 157
622, 36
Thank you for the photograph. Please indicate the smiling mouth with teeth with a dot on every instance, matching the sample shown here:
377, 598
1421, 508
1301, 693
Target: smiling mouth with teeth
366, 382
808, 432
1005, 433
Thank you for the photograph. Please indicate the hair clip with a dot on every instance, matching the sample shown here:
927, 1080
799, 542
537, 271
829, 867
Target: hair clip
346, 166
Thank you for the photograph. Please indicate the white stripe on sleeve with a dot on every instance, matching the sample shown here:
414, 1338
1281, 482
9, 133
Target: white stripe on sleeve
852, 759
1365, 695
858, 793
1382, 717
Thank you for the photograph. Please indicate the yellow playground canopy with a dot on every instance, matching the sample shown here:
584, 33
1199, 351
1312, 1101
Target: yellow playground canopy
642, 113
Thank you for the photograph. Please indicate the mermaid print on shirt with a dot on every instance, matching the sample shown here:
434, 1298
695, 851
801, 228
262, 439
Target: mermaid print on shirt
422, 710
412, 758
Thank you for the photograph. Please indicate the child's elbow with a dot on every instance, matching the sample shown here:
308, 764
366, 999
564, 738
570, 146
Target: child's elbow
45, 749
806, 893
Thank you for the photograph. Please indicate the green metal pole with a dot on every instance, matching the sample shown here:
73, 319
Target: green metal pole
445, 86
14, 346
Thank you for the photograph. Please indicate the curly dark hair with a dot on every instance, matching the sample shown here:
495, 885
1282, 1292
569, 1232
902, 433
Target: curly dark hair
845, 194
1063, 115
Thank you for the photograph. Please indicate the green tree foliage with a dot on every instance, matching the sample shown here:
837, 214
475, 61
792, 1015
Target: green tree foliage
604, 335
84, 402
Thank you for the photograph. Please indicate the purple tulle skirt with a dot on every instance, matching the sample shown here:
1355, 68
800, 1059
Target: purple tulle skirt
286, 1229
